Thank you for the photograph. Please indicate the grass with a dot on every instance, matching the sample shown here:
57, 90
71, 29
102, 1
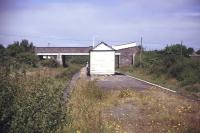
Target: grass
85, 108
92, 109
163, 80
155, 111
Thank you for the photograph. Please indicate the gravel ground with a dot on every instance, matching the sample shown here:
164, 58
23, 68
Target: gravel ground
117, 82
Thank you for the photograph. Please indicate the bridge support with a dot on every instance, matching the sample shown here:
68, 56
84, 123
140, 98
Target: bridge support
59, 59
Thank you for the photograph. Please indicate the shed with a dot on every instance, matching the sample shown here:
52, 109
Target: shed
102, 60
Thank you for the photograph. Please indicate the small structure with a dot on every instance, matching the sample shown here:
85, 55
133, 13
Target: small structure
102, 59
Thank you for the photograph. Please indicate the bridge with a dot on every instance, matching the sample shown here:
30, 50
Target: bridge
125, 53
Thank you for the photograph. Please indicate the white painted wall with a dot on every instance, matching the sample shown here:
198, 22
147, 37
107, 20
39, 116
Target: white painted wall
102, 62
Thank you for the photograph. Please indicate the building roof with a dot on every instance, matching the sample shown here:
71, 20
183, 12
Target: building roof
62, 49
102, 47
123, 46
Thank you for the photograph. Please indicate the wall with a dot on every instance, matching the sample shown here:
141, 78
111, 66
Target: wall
127, 56
102, 62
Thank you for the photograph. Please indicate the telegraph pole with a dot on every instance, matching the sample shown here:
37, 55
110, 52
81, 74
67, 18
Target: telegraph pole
181, 49
140, 52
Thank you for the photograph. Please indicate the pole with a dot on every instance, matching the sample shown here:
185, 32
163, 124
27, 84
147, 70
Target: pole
181, 49
141, 52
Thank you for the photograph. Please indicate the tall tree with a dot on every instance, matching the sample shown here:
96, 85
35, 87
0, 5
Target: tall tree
198, 52
190, 50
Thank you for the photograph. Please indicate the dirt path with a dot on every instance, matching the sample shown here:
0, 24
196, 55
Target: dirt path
81, 74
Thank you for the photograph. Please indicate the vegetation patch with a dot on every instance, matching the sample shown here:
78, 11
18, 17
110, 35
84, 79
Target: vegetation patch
171, 67
152, 111
85, 108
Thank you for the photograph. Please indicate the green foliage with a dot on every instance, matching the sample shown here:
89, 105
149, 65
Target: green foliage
28, 58
68, 72
190, 50
177, 49
38, 108
1, 46
22, 52
172, 64
7, 95
20, 47
49, 63
31, 103
198, 52
77, 59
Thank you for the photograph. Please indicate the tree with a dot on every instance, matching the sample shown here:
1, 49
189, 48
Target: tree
190, 50
26, 46
1, 46
20, 47
2, 51
177, 50
198, 52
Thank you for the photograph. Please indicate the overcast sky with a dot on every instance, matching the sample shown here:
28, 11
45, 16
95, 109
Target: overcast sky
75, 22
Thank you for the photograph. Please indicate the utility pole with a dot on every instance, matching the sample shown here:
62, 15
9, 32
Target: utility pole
141, 52
181, 49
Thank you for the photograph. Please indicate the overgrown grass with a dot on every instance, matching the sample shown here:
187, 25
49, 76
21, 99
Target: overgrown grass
163, 80
85, 108
156, 111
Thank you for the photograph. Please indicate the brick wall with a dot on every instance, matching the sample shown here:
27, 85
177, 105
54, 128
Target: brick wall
127, 56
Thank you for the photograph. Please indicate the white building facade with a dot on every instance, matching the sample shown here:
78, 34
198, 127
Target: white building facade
102, 60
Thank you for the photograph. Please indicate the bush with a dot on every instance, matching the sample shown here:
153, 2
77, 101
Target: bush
68, 72
31, 104
171, 64
77, 59
49, 63
28, 58
7, 98
39, 108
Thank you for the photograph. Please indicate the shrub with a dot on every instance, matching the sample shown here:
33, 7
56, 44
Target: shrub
77, 59
49, 63
68, 72
38, 108
7, 98
28, 58
170, 64
31, 104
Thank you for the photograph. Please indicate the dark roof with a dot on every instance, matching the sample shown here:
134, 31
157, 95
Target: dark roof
62, 49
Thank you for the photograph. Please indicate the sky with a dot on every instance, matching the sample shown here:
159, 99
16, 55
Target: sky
78, 22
